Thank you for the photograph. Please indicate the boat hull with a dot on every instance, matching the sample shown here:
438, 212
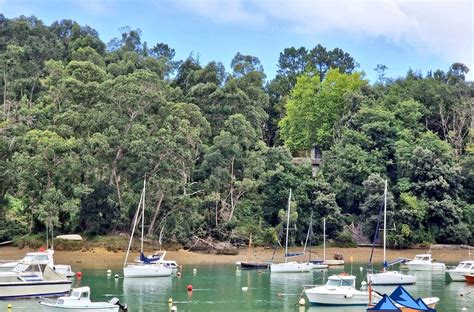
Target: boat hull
33, 289
254, 265
289, 267
426, 266
334, 262
469, 278
458, 276
146, 271
337, 299
390, 278
55, 308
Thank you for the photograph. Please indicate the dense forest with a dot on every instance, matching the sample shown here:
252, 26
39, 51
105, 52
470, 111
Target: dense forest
83, 123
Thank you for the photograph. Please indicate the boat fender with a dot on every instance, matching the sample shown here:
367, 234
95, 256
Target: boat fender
302, 302
348, 296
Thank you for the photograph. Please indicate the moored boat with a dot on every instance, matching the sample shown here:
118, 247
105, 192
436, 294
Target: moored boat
46, 256
254, 265
144, 267
293, 266
386, 277
463, 268
33, 278
424, 262
79, 301
339, 290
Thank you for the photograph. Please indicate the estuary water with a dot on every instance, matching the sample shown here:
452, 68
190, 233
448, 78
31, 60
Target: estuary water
219, 288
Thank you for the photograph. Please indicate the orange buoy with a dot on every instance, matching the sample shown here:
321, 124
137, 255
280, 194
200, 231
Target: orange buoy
190, 287
79, 274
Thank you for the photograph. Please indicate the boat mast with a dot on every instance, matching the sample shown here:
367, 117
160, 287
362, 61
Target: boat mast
385, 224
324, 239
133, 229
143, 212
287, 228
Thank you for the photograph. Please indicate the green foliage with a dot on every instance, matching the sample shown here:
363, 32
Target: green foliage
315, 108
83, 126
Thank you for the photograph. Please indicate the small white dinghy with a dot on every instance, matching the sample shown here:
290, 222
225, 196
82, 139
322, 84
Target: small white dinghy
79, 301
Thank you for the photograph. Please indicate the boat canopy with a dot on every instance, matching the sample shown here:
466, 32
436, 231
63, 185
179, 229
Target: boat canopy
296, 254
385, 304
402, 297
148, 260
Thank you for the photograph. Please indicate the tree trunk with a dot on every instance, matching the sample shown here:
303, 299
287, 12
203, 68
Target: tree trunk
155, 214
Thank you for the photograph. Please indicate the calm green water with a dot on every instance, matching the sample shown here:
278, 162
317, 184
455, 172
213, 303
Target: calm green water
219, 288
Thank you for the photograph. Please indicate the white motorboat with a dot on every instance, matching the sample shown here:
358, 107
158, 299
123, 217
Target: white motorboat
424, 262
79, 301
46, 255
33, 277
145, 267
463, 268
339, 290
293, 266
388, 277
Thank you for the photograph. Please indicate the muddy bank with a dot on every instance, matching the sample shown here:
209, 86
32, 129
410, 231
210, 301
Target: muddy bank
102, 258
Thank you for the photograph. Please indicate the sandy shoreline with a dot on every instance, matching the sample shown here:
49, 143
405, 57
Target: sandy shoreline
101, 258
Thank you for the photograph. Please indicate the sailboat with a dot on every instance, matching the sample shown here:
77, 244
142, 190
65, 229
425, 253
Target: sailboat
292, 266
313, 264
144, 267
388, 277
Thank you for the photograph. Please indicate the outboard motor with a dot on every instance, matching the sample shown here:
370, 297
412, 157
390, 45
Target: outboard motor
116, 301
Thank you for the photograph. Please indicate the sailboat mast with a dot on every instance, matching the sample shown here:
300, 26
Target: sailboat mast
287, 228
385, 224
324, 239
143, 212
133, 229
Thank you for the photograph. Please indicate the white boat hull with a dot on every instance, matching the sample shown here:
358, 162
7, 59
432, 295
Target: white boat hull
146, 270
336, 297
458, 276
390, 278
33, 289
426, 266
314, 266
334, 262
289, 267
90, 308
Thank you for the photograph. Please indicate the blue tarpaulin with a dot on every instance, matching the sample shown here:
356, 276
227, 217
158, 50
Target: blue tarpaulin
385, 304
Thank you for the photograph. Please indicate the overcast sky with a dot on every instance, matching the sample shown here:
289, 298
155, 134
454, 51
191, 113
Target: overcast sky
416, 34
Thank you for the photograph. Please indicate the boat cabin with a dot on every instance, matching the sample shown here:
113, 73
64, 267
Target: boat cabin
465, 266
341, 280
423, 258
78, 297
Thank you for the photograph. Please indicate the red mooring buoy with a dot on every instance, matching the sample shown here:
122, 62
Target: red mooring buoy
78, 274
190, 287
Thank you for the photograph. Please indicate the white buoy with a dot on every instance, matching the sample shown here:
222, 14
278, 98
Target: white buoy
361, 269
174, 308
245, 288
195, 271
116, 276
464, 309
109, 272
302, 302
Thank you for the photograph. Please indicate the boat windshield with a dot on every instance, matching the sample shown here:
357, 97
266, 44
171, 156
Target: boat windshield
35, 258
339, 282
422, 258
467, 266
